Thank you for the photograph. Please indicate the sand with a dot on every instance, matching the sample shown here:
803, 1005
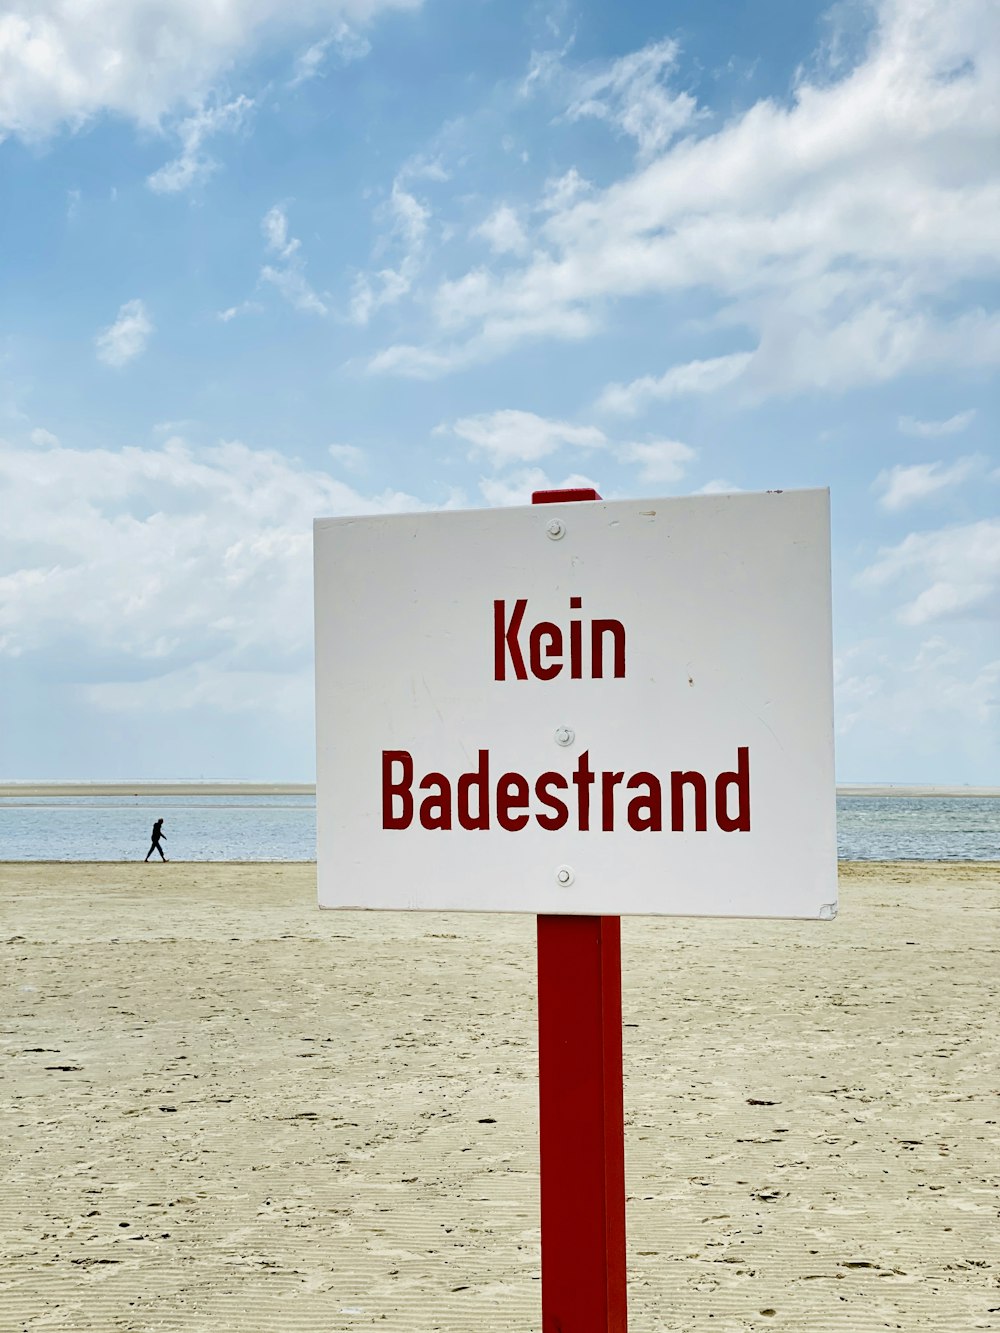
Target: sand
225, 1110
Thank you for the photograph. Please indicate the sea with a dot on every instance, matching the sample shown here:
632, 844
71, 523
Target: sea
283, 827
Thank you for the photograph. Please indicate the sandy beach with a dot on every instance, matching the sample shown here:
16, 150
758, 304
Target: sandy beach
225, 1110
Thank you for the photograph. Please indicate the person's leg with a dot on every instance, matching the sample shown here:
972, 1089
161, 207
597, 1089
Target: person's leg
160, 850
150, 852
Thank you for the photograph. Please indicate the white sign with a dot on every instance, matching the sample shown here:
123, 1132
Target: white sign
600, 708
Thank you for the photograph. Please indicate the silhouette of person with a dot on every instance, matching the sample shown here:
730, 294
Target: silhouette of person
155, 845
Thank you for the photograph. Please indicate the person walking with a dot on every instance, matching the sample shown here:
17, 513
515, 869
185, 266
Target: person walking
157, 835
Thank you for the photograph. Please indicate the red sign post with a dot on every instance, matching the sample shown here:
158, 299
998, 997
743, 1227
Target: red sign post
581, 1111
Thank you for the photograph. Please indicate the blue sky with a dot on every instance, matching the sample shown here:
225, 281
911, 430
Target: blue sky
265, 261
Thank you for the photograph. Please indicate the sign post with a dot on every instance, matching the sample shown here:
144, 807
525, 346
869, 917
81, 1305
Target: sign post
615, 707
581, 1111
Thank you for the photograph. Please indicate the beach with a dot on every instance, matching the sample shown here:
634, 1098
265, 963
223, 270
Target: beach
226, 1110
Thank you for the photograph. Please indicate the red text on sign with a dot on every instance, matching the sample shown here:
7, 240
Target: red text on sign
542, 649
585, 799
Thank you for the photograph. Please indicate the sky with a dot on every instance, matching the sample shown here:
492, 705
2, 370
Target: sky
268, 260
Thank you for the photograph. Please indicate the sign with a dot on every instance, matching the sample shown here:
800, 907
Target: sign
603, 708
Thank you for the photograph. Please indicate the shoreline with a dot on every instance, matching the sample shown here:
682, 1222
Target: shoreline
12, 788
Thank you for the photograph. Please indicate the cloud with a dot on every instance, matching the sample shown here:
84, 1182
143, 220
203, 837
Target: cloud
194, 165
346, 41
127, 337
407, 220
561, 191
274, 225
421, 363
836, 236
173, 564
511, 436
936, 705
496, 336
349, 456
287, 275
659, 460
64, 64
904, 486
631, 96
954, 572
503, 232
234, 311
690, 377
951, 426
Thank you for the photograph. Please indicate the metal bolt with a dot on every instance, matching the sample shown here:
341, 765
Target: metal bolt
565, 735
564, 875
555, 529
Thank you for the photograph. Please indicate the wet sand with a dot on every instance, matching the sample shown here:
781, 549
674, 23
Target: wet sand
225, 1110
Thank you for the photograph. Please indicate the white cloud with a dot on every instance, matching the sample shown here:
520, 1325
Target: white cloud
44, 439
496, 335
503, 232
950, 426
631, 96
309, 63
517, 487
346, 41
65, 63
349, 456
407, 221
234, 311
127, 337
904, 486
419, 363
954, 572
937, 704
288, 275
291, 282
194, 165
659, 460
690, 377
166, 557
274, 225
561, 191
838, 235
511, 436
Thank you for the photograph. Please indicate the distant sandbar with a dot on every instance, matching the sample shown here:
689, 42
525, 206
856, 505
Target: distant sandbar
157, 789
40, 789
921, 789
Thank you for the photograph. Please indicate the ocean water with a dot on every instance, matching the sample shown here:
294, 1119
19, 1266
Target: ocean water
195, 828
283, 828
